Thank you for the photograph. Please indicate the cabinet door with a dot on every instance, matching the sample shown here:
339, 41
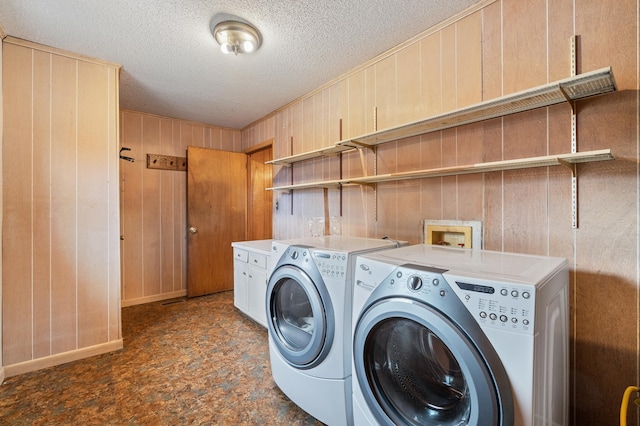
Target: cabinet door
240, 282
257, 294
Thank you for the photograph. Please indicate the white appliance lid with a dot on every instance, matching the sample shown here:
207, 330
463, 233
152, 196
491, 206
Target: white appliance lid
343, 243
479, 263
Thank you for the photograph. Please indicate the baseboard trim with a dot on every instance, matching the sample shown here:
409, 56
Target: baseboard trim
154, 298
61, 358
2, 375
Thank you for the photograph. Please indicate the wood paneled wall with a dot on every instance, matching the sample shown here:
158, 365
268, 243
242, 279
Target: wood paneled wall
61, 255
154, 229
2, 369
500, 48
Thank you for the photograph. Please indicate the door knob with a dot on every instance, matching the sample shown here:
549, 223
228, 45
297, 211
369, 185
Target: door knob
193, 230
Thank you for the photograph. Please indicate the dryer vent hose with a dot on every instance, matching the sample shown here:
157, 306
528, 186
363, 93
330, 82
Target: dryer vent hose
625, 403
391, 239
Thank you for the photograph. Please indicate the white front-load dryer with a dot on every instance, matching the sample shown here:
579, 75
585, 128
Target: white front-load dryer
448, 336
308, 305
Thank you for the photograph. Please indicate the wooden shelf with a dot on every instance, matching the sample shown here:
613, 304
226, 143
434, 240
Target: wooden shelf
322, 152
568, 90
495, 166
322, 184
521, 163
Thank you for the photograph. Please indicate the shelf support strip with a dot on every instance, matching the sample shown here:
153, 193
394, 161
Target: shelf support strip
574, 139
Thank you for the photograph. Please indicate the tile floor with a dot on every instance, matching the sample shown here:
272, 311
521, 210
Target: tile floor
186, 361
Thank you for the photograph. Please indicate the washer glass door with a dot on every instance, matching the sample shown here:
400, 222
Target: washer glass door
415, 374
414, 366
297, 312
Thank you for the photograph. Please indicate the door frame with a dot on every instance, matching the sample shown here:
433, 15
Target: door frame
267, 144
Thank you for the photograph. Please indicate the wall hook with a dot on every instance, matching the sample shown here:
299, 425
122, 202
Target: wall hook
122, 157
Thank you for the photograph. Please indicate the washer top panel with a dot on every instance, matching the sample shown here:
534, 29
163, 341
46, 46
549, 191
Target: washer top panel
486, 264
342, 243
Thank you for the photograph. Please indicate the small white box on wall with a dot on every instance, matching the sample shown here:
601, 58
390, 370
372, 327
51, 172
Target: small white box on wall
455, 233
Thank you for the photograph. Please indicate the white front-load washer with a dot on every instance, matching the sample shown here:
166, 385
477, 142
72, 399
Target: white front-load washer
308, 305
448, 336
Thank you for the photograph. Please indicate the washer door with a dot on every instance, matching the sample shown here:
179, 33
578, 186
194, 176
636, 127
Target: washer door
300, 316
416, 367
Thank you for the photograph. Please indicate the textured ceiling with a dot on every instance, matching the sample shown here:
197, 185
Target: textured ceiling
172, 66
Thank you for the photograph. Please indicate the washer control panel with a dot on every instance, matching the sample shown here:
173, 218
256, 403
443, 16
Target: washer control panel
509, 307
331, 264
424, 283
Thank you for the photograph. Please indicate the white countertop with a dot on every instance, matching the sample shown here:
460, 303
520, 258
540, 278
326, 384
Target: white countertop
261, 246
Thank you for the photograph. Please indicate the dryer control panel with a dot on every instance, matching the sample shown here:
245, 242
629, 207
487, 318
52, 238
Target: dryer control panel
331, 264
504, 306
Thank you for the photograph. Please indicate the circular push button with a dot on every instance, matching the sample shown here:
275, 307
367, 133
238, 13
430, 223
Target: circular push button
526, 294
525, 322
503, 318
493, 316
483, 314
514, 293
435, 281
504, 292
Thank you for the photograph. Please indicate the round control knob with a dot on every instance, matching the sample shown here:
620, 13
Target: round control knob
294, 254
414, 283
504, 292
435, 281
503, 318
525, 322
526, 294
514, 293
493, 316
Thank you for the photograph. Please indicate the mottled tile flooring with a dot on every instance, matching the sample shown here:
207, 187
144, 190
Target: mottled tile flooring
189, 361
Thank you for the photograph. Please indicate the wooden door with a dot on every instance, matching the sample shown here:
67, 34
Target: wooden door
216, 217
260, 202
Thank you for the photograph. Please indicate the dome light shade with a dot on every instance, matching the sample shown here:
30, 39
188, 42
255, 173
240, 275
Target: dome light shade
237, 37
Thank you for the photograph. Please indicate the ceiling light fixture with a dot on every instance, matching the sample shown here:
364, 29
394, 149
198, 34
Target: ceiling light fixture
237, 37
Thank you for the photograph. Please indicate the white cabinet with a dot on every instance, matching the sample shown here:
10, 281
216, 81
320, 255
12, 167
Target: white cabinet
240, 279
250, 271
257, 284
